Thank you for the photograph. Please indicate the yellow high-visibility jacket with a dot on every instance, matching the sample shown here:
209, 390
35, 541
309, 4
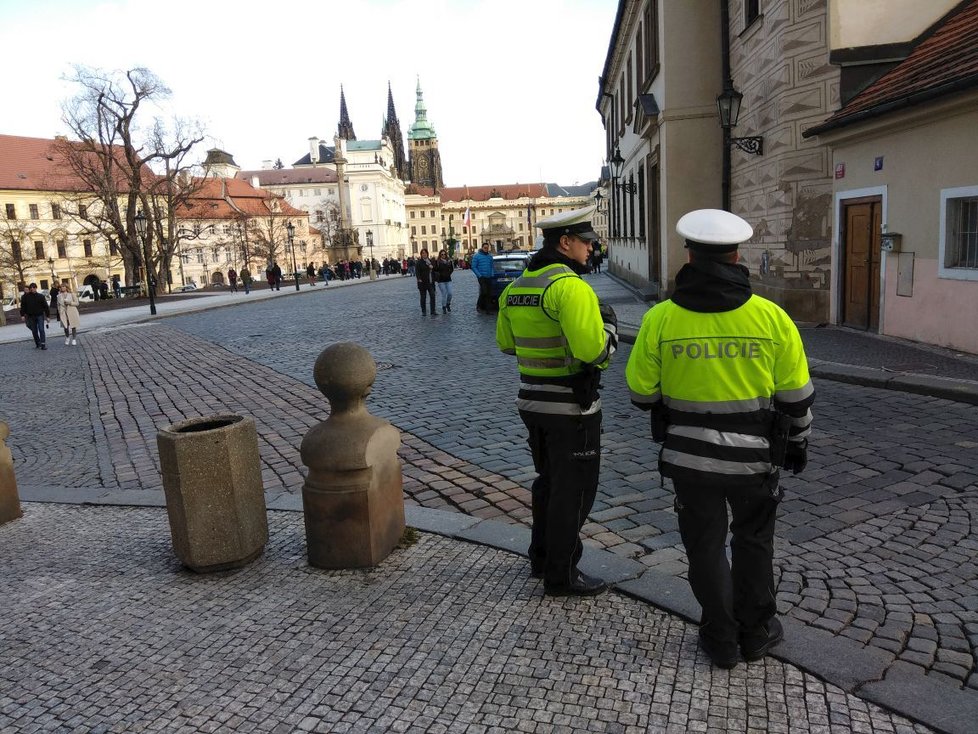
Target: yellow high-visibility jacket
721, 377
550, 319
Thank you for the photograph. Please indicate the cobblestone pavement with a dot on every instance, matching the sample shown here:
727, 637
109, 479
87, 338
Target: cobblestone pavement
877, 541
105, 633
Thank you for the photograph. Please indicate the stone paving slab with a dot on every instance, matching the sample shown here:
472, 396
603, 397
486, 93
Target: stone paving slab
104, 632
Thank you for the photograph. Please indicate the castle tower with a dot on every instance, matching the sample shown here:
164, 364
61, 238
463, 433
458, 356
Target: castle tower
423, 148
392, 131
345, 128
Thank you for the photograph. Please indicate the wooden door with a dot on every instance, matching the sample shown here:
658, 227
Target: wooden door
861, 285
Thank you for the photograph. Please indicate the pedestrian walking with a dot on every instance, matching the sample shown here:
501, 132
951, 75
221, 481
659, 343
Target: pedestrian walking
233, 280
443, 277
424, 272
550, 318
116, 287
725, 377
53, 296
34, 309
483, 269
68, 314
277, 275
245, 276
311, 273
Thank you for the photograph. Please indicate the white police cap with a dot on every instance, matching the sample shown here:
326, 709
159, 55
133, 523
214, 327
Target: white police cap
576, 222
713, 230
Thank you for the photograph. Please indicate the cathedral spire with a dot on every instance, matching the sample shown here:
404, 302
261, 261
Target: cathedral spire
392, 130
425, 161
345, 128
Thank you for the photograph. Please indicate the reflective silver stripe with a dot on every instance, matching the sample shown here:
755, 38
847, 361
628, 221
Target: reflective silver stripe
537, 406
546, 388
749, 405
540, 342
715, 466
645, 399
544, 362
720, 438
795, 396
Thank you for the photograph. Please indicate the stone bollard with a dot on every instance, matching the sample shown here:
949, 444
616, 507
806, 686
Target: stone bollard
352, 499
214, 494
9, 499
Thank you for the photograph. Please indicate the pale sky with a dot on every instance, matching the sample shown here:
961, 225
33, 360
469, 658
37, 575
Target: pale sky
509, 85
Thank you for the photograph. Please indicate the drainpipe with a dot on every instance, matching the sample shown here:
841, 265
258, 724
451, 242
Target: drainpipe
727, 85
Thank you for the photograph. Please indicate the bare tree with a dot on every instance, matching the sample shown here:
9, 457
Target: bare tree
269, 238
176, 183
112, 159
13, 238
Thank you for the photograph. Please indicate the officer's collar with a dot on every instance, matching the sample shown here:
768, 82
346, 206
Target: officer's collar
550, 256
707, 286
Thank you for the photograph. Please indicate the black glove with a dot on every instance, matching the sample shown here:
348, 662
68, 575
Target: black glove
796, 456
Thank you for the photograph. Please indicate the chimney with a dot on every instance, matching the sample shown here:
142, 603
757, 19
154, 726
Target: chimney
267, 165
255, 182
314, 150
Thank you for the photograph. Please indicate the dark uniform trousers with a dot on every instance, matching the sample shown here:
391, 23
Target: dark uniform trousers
567, 456
738, 599
485, 295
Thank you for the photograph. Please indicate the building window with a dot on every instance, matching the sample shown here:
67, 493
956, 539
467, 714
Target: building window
422, 213
424, 229
432, 213
412, 214
62, 250
15, 250
320, 216
216, 255
39, 250
200, 257
11, 212
317, 192
34, 214
641, 201
55, 211
87, 244
651, 38
414, 230
639, 59
752, 10
631, 93
958, 257
82, 211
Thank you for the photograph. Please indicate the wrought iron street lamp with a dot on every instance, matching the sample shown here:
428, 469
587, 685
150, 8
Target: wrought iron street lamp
141, 231
290, 232
728, 108
54, 276
616, 163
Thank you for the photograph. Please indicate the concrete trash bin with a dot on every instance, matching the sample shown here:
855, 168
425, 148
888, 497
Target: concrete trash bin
214, 494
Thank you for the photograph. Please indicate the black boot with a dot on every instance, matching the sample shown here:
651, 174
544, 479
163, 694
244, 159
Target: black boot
580, 584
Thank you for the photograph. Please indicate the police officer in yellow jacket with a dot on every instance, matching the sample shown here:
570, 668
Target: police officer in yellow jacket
550, 318
725, 375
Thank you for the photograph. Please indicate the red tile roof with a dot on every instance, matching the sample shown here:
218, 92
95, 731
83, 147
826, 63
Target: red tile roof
284, 176
482, 193
231, 198
944, 63
35, 164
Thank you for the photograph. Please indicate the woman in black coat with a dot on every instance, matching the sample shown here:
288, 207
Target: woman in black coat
424, 272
